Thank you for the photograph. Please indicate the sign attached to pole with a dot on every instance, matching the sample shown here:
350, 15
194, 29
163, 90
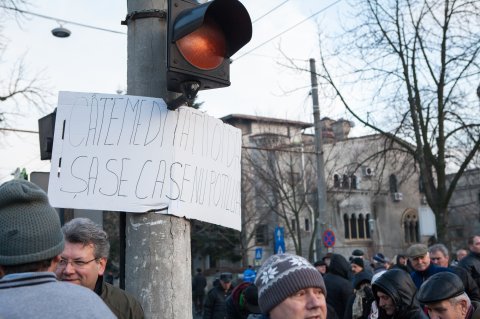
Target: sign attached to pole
129, 153
258, 253
328, 238
279, 240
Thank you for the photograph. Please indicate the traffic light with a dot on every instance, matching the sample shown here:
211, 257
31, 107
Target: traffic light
201, 40
46, 128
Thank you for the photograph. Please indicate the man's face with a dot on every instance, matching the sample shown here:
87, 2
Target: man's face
356, 268
476, 245
225, 285
322, 268
439, 259
305, 303
461, 253
386, 303
420, 263
447, 310
82, 267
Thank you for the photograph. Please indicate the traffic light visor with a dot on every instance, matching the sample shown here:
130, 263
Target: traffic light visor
229, 16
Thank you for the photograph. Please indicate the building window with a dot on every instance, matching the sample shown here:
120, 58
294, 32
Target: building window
336, 181
356, 227
410, 225
293, 225
353, 181
261, 234
393, 184
346, 225
307, 224
345, 183
361, 226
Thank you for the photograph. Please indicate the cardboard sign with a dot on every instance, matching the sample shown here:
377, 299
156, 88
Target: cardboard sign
129, 153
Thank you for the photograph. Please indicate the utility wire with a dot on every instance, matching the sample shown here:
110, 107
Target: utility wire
275, 8
285, 31
59, 20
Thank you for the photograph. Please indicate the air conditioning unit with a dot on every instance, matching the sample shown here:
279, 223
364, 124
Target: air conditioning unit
367, 171
397, 197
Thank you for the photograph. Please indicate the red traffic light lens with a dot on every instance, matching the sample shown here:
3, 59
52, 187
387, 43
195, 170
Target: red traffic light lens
204, 48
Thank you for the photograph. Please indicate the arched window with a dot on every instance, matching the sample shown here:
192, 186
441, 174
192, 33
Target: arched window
346, 224
393, 184
353, 226
345, 181
356, 227
361, 226
336, 181
353, 181
410, 226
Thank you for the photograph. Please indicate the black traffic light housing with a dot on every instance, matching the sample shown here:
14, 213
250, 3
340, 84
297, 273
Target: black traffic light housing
201, 40
46, 129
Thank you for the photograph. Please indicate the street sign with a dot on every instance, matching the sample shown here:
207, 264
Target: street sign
279, 240
328, 238
258, 253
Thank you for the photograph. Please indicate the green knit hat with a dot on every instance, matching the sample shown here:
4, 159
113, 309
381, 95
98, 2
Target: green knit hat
30, 229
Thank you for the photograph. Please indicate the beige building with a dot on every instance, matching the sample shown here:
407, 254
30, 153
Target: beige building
373, 202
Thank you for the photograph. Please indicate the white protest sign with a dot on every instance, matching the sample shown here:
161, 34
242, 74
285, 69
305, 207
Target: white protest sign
129, 153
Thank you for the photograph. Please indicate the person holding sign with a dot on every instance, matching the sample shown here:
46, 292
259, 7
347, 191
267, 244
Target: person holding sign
31, 243
83, 262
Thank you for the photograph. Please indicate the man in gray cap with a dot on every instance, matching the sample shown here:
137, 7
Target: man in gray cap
289, 287
422, 266
444, 297
31, 242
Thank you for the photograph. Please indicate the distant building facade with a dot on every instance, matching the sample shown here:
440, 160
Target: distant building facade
464, 209
373, 204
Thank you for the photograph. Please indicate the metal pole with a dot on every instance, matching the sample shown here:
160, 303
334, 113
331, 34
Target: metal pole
322, 220
157, 252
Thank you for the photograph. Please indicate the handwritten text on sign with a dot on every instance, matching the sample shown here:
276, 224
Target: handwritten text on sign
129, 153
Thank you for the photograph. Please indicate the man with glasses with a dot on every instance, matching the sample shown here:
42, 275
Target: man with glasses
31, 242
83, 262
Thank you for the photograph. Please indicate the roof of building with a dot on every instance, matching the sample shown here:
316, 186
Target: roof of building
254, 118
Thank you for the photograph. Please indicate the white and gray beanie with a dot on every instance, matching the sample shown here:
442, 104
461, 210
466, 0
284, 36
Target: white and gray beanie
283, 275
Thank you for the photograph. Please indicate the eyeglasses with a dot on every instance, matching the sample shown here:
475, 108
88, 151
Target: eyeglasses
75, 263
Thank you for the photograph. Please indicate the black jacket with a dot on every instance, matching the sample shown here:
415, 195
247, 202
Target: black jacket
470, 285
339, 287
471, 263
399, 286
215, 306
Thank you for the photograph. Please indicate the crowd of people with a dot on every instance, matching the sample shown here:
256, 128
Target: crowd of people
421, 283
45, 267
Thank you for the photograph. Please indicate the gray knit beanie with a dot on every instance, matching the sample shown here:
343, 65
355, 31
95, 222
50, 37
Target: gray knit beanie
30, 228
283, 275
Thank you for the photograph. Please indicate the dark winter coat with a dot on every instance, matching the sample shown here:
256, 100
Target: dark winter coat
339, 287
199, 283
471, 263
470, 285
122, 304
215, 306
474, 312
364, 294
419, 277
398, 285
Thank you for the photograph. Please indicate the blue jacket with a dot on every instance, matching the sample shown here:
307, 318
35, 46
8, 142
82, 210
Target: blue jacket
419, 277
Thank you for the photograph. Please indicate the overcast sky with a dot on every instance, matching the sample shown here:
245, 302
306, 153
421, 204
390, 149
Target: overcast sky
96, 61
